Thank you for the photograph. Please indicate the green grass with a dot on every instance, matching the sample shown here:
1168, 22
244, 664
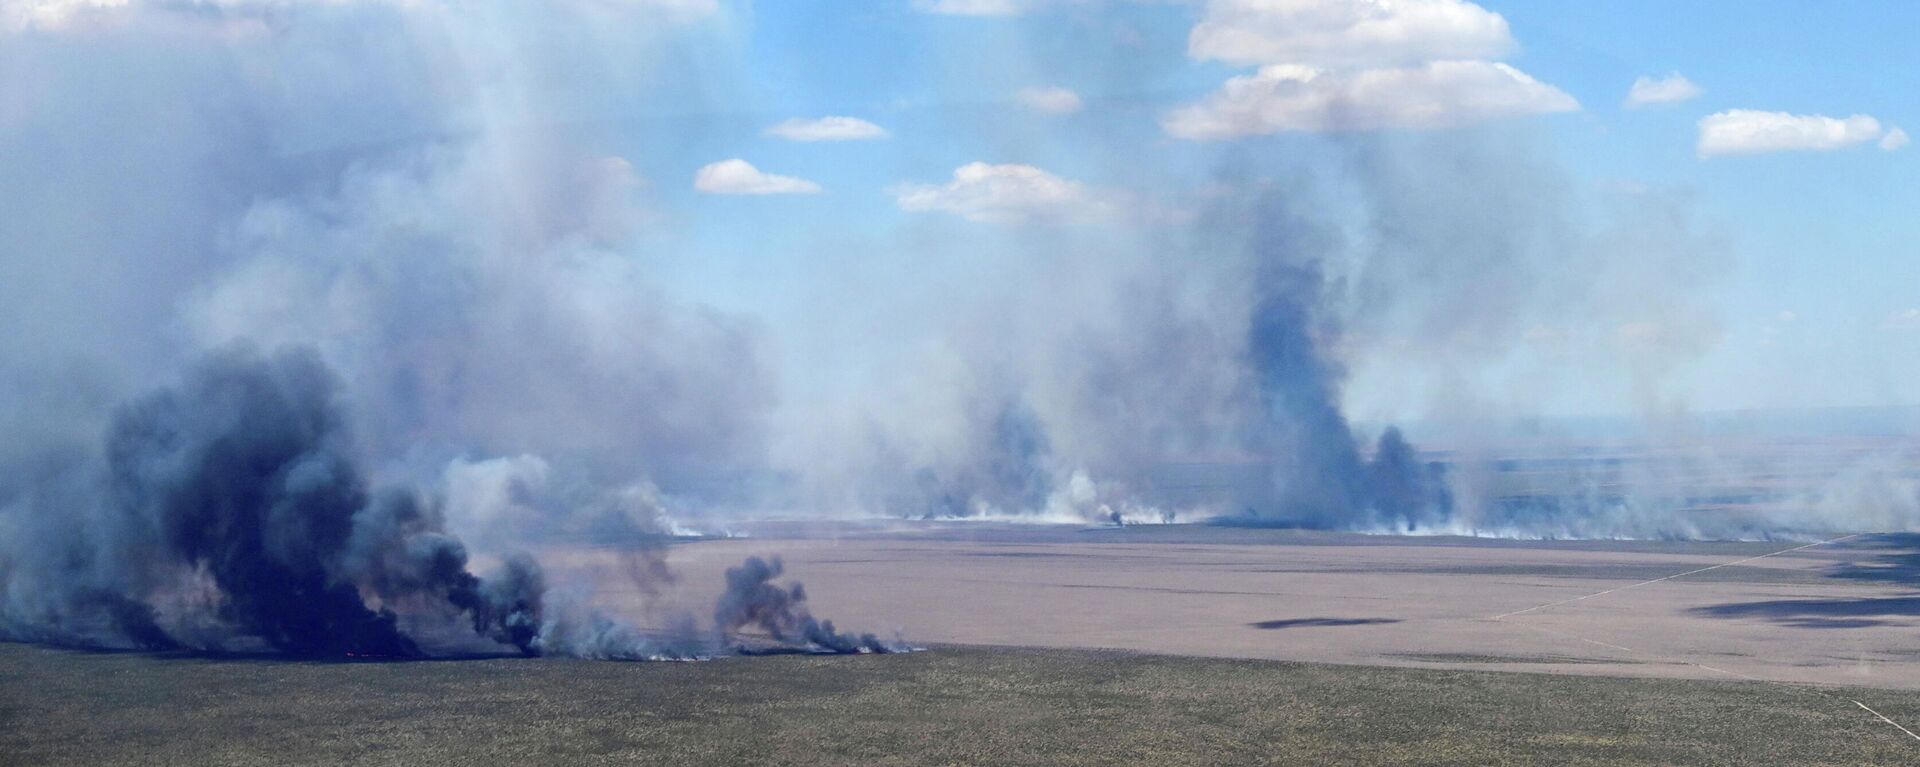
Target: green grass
950, 706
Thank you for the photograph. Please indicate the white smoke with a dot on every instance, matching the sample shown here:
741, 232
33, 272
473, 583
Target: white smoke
447, 202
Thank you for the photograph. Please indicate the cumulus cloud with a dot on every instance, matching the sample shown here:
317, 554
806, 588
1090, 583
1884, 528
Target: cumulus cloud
20, 14
1894, 139
985, 8
670, 8
974, 7
1000, 193
1343, 65
1437, 95
738, 176
1751, 131
689, 7
1052, 100
58, 14
832, 128
1347, 33
1651, 91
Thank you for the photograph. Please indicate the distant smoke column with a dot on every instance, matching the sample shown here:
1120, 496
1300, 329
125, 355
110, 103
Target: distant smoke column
1406, 491
1317, 469
1320, 479
1017, 475
1007, 472
752, 600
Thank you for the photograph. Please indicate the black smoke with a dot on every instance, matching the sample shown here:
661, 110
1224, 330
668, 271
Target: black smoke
227, 513
752, 600
239, 481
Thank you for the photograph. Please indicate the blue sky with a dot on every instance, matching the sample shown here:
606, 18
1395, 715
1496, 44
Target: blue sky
1827, 236
847, 244
1822, 241
1506, 231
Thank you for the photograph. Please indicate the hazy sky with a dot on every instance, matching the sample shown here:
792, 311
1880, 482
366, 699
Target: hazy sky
835, 169
605, 268
1816, 307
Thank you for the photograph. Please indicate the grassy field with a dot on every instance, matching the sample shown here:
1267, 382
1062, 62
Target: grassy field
950, 706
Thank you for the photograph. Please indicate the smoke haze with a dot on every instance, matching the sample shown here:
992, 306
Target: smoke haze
227, 513
419, 284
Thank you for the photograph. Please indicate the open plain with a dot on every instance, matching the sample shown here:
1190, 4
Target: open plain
1071, 645
1836, 613
988, 706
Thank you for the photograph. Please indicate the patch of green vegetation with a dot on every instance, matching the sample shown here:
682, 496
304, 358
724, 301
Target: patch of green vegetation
950, 706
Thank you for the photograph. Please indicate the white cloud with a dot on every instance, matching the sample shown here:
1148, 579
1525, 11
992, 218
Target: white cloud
685, 8
1000, 193
1052, 100
1751, 131
1337, 65
681, 6
1894, 139
827, 129
21, 14
57, 14
1436, 95
740, 177
974, 7
1347, 33
1672, 89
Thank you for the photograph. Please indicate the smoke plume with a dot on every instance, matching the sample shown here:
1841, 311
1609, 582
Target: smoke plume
227, 513
464, 214
239, 481
753, 601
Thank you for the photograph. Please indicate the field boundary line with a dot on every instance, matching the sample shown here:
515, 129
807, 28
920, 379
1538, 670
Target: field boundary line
1682, 661
1883, 718
1675, 575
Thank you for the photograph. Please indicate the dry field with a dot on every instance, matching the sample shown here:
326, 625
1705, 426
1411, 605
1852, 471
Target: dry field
1058, 645
1843, 613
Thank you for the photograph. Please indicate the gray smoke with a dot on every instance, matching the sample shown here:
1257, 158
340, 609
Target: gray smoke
1196, 375
457, 207
1006, 472
1321, 479
239, 479
447, 219
227, 513
1201, 369
752, 600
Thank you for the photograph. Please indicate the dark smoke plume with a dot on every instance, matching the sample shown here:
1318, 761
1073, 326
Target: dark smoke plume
457, 207
1320, 478
239, 479
752, 600
227, 514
